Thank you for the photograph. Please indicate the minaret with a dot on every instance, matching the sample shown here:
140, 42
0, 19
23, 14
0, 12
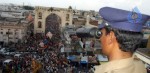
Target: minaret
87, 20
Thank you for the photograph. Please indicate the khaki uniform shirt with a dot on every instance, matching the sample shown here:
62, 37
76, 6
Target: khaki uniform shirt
129, 65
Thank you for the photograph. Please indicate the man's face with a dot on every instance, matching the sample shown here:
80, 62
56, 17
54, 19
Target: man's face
106, 43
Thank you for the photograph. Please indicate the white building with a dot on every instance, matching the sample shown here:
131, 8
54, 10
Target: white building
10, 7
13, 23
12, 32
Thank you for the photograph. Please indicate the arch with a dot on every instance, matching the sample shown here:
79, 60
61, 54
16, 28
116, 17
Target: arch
39, 24
40, 15
53, 22
66, 24
67, 17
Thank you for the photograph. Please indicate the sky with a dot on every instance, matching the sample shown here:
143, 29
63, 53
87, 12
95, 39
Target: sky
142, 5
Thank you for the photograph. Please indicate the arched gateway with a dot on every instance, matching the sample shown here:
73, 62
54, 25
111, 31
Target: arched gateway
52, 24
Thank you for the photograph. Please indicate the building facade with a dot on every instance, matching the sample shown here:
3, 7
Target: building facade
14, 23
10, 32
54, 19
48, 17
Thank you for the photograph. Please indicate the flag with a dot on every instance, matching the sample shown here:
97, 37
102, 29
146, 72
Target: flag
41, 44
49, 34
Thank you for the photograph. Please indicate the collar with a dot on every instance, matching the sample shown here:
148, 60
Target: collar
116, 64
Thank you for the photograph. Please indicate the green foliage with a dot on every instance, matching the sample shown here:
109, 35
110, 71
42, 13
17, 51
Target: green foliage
28, 7
69, 7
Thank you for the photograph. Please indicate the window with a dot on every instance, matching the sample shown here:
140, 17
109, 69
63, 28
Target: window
1, 32
67, 17
9, 33
67, 24
73, 22
39, 24
40, 15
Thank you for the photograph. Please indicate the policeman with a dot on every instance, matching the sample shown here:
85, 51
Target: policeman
121, 35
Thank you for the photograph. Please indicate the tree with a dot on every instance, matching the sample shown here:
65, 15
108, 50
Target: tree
70, 7
28, 7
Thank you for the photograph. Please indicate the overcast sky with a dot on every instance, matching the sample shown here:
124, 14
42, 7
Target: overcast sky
142, 5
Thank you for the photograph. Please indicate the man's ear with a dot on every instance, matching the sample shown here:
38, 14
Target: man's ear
111, 37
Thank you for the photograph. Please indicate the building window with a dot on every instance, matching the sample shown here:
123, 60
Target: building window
73, 22
67, 17
9, 33
40, 15
67, 24
1, 32
39, 24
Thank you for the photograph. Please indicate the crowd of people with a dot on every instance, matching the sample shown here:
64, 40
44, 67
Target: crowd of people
44, 55
19, 64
